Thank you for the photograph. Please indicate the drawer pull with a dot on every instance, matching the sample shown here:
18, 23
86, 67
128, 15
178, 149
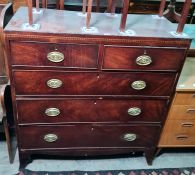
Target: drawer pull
52, 112
50, 138
134, 111
129, 137
144, 60
190, 110
182, 137
55, 57
187, 124
54, 83
138, 85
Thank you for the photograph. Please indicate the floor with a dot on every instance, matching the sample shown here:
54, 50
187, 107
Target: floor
164, 160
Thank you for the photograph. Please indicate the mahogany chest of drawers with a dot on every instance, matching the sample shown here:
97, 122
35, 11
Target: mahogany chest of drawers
78, 93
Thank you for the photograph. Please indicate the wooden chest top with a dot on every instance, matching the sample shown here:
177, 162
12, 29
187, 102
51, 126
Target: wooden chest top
69, 22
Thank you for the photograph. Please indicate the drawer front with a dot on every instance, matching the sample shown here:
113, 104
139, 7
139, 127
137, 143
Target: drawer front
137, 58
184, 99
185, 112
52, 55
178, 133
71, 110
88, 136
85, 83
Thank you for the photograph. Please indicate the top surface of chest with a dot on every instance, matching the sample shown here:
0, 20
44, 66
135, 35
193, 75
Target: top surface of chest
68, 22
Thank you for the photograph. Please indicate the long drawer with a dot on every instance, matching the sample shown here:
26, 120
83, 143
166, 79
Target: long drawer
82, 136
89, 110
92, 83
184, 112
181, 135
52, 55
142, 58
184, 98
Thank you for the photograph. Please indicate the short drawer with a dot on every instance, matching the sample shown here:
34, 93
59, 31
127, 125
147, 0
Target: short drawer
82, 136
185, 112
184, 98
92, 83
178, 133
96, 110
52, 55
140, 58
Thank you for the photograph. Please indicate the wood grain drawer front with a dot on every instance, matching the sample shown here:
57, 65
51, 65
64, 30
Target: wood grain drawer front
52, 55
87, 136
137, 58
184, 99
91, 83
185, 112
71, 110
178, 133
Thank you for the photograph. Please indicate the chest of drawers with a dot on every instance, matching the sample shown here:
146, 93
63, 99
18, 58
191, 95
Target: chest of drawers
181, 114
85, 94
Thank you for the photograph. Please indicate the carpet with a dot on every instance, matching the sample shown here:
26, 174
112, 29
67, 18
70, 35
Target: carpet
166, 171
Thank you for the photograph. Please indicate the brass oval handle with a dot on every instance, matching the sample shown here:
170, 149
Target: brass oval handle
52, 112
50, 138
143, 60
182, 137
138, 85
55, 57
54, 83
134, 111
129, 137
